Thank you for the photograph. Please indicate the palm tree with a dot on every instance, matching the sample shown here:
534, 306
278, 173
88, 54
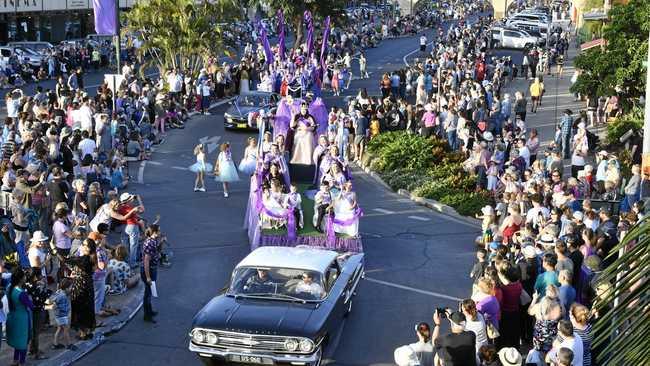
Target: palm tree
622, 330
180, 33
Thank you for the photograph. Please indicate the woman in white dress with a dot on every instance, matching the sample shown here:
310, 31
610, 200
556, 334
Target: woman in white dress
303, 138
199, 168
267, 141
224, 169
249, 162
244, 81
345, 206
273, 200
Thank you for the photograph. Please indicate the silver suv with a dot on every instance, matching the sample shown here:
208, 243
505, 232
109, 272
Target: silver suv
512, 38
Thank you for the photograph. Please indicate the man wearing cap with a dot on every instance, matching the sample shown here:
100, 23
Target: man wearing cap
132, 229
457, 348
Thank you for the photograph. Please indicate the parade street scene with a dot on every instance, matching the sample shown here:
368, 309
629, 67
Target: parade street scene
325, 182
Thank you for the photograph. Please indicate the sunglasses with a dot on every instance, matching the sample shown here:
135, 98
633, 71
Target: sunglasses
423, 329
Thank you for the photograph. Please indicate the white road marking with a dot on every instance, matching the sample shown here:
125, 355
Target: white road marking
386, 212
413, 289
154, 162
420, 218
180, 168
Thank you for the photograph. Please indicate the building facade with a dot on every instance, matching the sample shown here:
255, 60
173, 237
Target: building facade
48, 20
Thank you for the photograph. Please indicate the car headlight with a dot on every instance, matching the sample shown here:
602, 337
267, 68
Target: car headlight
199, 336
291, 344
211, 338
306, 345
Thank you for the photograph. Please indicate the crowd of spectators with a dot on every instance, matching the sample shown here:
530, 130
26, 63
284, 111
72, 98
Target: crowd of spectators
549, 233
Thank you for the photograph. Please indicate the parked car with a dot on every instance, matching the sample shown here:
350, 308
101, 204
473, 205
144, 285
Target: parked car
513, 38
40, 47
282, 306
33, 58
237, 116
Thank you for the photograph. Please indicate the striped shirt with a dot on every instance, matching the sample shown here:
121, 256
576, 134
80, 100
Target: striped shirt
587, 338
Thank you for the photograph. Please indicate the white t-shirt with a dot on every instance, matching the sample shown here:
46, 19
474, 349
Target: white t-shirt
423, 41
87, 147
35, 253
86, 118
575, 345
312, 288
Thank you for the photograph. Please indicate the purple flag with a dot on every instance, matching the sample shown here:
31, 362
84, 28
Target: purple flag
281, 46
323, 50
105, 17
264, 40
309, 21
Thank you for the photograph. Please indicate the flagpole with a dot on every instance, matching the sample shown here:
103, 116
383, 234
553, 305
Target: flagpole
117, 35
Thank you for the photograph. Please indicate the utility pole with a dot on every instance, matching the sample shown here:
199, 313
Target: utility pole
117, 36
645, 165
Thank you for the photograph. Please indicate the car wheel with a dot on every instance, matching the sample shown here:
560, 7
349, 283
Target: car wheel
528, 46
497, 44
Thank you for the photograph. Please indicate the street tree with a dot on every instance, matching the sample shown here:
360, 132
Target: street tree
181, 33
619, 65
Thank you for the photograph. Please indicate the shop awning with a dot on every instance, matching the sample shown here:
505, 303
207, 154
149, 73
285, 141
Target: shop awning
591, 44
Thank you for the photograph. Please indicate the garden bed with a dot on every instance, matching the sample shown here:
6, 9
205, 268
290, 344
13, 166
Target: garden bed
427, 168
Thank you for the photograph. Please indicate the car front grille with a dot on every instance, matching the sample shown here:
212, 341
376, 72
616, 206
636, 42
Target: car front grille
236, 341
258, 342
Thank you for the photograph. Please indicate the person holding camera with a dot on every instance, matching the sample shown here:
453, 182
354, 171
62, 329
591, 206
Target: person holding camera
457, 347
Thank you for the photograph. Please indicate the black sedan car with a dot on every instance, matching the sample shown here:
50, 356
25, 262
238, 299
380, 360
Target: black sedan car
238, 116
281, 307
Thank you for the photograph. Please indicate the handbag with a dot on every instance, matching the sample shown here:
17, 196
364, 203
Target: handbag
492, 331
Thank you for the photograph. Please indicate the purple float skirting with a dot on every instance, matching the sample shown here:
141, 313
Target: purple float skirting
342, 244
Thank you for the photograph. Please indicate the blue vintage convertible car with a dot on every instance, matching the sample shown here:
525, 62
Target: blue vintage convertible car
281, 307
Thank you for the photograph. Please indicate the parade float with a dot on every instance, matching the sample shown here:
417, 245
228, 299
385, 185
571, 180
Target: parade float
301, 191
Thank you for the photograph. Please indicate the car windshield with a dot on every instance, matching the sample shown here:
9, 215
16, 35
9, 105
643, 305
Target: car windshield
277, 283
254, 100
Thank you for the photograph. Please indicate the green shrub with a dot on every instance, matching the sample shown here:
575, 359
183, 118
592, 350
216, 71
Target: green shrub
427, 168
467, 204
622, 125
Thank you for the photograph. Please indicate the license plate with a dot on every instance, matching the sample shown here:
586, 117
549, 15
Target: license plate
242, 125
251, 359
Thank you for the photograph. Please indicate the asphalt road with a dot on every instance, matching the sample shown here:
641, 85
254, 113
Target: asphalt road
416, 260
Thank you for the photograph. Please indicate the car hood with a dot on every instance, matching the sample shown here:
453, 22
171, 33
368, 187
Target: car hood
241, 111
274, 317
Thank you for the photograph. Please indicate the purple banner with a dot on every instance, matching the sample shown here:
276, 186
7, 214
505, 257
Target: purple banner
281, 46
105, 17
264, 40
309, 21
323, 50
